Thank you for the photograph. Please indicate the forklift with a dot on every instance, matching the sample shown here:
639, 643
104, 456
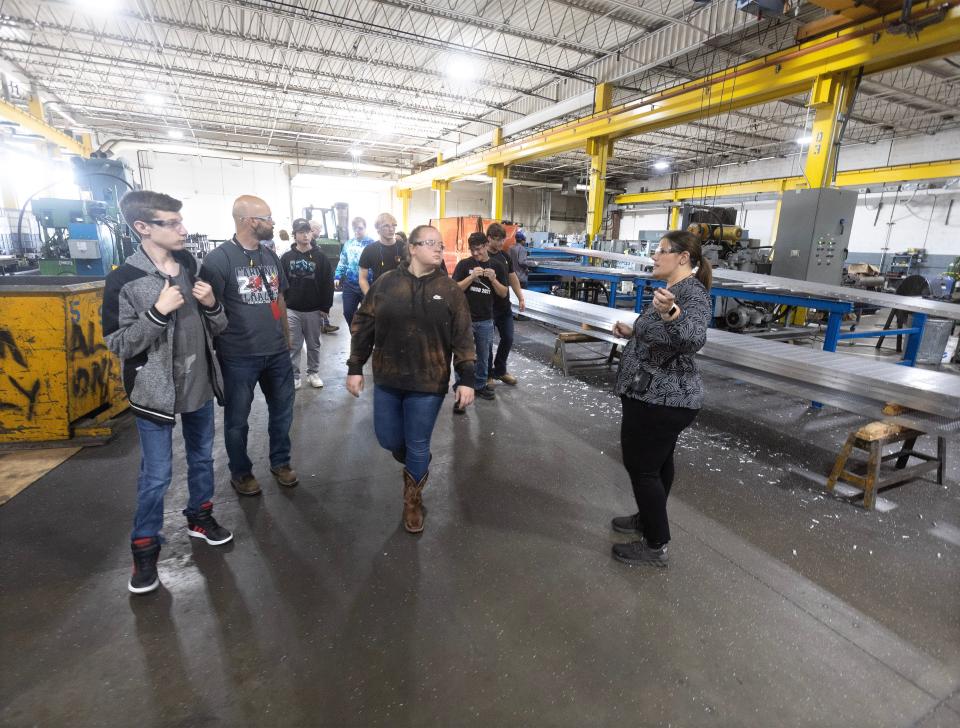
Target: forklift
334, 228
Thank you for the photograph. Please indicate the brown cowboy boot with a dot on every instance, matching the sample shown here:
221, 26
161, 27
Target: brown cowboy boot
413, 502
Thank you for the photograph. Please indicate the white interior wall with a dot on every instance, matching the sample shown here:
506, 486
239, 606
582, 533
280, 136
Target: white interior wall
365, 197
521, 204
209, 185
920, 218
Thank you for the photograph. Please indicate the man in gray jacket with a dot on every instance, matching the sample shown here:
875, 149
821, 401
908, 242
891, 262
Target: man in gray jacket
160, 320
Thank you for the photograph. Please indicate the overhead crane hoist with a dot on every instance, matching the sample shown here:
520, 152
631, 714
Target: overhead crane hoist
825, 68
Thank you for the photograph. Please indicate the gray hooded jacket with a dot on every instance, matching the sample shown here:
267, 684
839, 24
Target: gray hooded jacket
142, 337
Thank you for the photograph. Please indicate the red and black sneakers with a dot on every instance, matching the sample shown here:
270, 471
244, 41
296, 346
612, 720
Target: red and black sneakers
205, 526
144, 578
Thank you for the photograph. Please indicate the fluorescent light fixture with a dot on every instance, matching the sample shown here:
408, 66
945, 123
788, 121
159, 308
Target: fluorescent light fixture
175, 134
461, 68
661, 165
99, 6
804, 140
154, 100
356, 152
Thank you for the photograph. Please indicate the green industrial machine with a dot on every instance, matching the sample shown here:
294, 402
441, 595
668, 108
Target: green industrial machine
333, 228
85, 237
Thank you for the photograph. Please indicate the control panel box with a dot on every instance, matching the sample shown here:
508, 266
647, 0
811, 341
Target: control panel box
813, 234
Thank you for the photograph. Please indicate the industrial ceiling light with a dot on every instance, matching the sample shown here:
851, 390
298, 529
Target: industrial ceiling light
356, 152
661, 165
804, 140
175, 134
461, 67
99, 7
154, 100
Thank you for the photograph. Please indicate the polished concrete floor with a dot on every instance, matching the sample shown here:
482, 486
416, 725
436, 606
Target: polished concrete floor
781, 607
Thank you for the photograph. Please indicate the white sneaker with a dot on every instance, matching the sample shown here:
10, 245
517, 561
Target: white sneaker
315, 381
296, 383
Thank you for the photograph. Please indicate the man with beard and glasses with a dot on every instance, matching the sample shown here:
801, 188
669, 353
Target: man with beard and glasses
249, 281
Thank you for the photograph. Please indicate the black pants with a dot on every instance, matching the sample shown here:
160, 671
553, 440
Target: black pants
648, 436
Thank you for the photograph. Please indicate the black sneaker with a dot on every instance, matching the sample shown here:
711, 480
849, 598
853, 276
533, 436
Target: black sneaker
638, 552
627, 524
486, 393
144, 579
206, 527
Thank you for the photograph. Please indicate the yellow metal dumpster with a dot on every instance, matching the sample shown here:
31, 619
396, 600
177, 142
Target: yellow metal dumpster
57, 378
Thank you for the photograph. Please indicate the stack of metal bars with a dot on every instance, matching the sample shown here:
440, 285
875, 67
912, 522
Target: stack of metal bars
851, 382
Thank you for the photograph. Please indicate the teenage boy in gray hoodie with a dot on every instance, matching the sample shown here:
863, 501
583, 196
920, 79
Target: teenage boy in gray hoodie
160, 320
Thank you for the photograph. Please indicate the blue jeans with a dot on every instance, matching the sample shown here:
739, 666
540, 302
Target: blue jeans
156, 468
503, 322
241, 374
483, 340
352, 296
404, 421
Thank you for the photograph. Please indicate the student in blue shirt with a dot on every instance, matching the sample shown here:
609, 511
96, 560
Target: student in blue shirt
347, 275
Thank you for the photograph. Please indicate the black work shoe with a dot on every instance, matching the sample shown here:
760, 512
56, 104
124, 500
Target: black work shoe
330, 329
206, 527
486, 393
144, 578
627, 524
638, 552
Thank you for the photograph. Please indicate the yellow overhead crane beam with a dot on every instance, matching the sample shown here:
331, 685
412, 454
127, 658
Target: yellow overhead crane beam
35, 124
850, 178
787, 73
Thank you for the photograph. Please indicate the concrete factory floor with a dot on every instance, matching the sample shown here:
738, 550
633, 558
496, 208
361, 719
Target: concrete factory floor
781, 606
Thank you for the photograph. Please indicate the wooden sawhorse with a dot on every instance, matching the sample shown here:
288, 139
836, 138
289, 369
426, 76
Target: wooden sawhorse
871, 439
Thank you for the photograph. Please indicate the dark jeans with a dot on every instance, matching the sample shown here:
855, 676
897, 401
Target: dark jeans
503, 322
351, 297
241, 374
404, 421
156, 468
483, 341
648, 436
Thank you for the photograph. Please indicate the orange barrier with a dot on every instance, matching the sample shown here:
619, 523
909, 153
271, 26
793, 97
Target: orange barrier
454, 232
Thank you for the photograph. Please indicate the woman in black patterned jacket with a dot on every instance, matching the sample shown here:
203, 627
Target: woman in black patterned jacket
661, 389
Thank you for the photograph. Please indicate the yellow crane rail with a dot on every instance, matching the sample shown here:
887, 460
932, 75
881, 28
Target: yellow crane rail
850, 178
39, 126
791, 72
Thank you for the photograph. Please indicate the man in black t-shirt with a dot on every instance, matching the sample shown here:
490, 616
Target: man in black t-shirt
478, 277
502, 312
382, 256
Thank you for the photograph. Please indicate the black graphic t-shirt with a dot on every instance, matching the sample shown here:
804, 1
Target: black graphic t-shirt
379, 258
310, 276
480, 293
249, 284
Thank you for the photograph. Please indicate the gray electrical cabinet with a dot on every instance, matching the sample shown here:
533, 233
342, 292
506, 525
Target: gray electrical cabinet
813, 234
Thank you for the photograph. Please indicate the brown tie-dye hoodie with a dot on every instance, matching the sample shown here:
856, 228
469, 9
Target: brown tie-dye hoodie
413, 325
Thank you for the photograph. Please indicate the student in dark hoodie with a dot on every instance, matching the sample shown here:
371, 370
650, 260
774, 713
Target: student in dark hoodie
309, 295
160, 320
412, 320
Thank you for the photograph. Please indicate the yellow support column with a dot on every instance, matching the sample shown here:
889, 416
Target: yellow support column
497, 173
404, 196
831, 99
599, 149
441, 186
674, 217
